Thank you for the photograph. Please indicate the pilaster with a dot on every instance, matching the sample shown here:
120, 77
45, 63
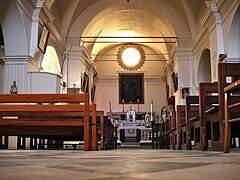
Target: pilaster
78, 62
15, 69
212, 20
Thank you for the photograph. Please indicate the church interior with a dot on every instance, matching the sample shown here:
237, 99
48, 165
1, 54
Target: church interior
138, 77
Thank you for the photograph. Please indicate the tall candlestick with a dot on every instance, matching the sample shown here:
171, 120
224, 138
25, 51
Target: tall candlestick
151, 108
152, 111
110, 105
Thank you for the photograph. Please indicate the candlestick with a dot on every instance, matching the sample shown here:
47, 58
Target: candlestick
152, 111
151, 108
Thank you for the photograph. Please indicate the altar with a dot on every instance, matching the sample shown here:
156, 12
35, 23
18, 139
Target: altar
131, 126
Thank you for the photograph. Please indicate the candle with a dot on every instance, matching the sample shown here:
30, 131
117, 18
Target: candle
152, 111
123, 101
110, 105
151, 108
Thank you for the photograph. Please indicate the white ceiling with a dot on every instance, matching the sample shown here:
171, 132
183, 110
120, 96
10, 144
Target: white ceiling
145, 18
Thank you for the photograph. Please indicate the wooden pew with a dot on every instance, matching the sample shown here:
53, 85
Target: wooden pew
232, 113
173, 130
208, 104
181, 127
192, 122
108, 134
39, 115
230, 70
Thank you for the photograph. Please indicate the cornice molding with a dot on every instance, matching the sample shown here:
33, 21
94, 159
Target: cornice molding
17, 59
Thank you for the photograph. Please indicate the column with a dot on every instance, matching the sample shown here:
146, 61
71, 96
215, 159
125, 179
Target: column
78, 62
15, 69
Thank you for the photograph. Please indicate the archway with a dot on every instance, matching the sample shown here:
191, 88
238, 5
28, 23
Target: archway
234, 38
204, 67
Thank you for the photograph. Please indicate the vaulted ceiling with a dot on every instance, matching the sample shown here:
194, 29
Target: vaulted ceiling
135, 18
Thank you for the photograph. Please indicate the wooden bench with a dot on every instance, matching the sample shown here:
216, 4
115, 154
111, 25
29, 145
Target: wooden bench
109, 138
208, 104
192, 122
232, 113
230, 71
181, 127
107, 132
49, 115
173, 130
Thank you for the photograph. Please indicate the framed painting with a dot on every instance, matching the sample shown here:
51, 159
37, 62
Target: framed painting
42, 44
185, 92
85, 82
131, 88
93, 89
175, 81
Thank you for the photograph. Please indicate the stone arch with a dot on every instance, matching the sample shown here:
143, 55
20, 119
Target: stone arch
204, 67
234, 38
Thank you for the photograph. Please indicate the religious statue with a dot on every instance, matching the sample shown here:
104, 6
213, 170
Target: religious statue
147, 120
13, 89
131, 116
164, 113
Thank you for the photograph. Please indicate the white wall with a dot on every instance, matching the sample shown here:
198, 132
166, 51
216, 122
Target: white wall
107, 91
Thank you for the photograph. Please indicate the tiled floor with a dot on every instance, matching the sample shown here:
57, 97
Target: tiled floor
119, 164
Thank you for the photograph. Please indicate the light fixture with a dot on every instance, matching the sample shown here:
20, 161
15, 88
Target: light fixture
130, 56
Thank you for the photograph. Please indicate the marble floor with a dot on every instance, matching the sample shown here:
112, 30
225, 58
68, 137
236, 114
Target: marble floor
124, 164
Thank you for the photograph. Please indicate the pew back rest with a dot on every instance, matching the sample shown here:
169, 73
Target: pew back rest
226, 70
180, 117
43, 98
